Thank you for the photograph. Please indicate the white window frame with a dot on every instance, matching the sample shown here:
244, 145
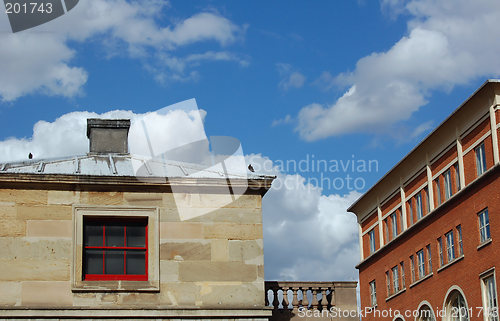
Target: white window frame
371, 236
373, 293
484, 226
394, 223
429, 258
438, 190
450, 246
440, 251
480, 159
412, 268
460, 241
448, 192
420, 208
490, 302
388, 282
421, 263
395, 278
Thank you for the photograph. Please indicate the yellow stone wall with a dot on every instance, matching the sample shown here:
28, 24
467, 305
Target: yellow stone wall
213, 259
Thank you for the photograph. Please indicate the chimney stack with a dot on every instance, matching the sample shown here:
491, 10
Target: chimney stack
108, 135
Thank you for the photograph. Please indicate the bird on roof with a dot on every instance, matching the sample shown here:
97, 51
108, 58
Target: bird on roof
30, 156
250, 168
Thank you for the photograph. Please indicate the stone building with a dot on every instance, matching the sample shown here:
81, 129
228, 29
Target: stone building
428, 229
86, 237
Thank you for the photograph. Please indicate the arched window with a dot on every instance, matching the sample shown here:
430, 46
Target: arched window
456, 307
425, 313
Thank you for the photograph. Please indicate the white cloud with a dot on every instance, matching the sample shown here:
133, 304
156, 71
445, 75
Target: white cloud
289, 77
39, 59
449, 43
286, 120
307, 235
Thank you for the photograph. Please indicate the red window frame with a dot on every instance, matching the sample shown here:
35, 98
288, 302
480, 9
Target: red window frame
107, 221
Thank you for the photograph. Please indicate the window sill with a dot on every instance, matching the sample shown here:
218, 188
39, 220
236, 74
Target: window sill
480, 246
116, 286
450, 263
395, 294
421, 280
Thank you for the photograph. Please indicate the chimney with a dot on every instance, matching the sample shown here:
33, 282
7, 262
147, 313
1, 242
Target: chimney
108, 135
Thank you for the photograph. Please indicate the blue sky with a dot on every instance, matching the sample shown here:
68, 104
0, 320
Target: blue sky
339, 80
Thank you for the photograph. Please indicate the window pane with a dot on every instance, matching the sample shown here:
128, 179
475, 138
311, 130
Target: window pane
115, 235
93, 261
136, 236
92, 234
136, 262
113, 262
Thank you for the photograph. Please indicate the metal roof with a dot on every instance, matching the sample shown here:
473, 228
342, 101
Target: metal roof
123, 165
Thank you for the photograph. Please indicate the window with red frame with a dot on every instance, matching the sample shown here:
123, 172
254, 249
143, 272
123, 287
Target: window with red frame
115, 248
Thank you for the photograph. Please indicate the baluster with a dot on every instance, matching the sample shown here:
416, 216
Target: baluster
324, 299
285, 298
314, 303
295, 301
267, 297
305, 302
332, 294
276, 302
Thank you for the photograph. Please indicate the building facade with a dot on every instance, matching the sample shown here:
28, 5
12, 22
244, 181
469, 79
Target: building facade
428, 230
85, 237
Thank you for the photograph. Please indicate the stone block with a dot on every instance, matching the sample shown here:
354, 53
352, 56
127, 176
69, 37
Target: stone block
232, 231
250, 252
12, 248
45, 212
179, 294
12, 227
238, 295
46, 293
169, 271
192, 271
10, 293
49, 228
63, 197
24, 196
34, 270
181, 230
143, 199
101, 198
220, 250
8, 210
185, 250
220, 214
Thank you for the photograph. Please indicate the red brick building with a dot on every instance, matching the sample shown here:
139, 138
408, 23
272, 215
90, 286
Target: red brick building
428, 230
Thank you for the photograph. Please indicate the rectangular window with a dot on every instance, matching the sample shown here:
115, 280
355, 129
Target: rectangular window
480, 159
421, 264
395, 278
402, 275
429, 258
410, 205
394, 223
412, 268
438, 190
447, 184
427, 199
450, 246
490, 298
484, 226
373, 293
460, 245
115, 248
388, 282
457, 176
440, 251
371, 235
420, 209
386, 230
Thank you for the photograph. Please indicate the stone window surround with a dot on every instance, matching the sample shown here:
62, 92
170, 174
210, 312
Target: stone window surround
153, 282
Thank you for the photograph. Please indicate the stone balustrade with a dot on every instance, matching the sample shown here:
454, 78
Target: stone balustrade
288, 298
